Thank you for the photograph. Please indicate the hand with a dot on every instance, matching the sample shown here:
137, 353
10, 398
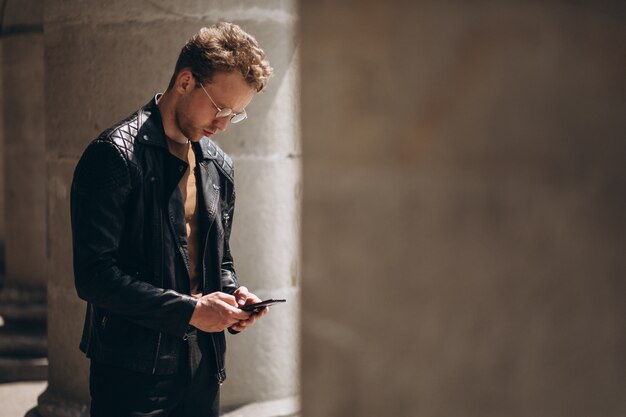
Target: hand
216, 312
244, 297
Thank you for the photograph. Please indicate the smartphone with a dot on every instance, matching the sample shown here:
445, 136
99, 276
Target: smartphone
260, 306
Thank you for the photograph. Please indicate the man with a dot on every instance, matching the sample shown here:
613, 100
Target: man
152, 207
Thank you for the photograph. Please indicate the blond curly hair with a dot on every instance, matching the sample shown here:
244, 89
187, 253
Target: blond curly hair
224, 47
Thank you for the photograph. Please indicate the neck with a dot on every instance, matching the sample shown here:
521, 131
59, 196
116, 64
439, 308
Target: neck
179, 150
167, 104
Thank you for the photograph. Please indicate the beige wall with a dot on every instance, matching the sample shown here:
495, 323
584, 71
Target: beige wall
463, 210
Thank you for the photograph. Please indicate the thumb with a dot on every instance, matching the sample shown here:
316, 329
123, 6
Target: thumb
241, 294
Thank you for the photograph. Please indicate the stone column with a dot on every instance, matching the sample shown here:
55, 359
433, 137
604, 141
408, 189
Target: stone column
23, 296
105, 60
463, 210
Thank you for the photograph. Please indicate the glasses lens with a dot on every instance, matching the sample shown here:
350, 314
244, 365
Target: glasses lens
224, 113
239, 117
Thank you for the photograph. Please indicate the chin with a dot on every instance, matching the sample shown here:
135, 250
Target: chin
197, 137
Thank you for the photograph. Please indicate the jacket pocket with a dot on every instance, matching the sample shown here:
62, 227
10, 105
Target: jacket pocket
113, 330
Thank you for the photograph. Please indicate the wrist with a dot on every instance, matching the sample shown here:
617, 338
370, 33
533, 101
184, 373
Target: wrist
193, 320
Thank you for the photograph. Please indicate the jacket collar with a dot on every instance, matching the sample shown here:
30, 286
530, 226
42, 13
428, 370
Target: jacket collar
152, 133
208, 148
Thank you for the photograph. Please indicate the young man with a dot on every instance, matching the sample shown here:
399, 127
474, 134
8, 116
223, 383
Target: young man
152, 207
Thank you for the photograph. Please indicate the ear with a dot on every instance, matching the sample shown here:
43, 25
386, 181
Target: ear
185, 81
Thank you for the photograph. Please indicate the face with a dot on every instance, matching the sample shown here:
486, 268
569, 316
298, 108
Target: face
195, 113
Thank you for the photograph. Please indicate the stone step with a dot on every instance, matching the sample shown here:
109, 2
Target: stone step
23, 339
23, 304
23, 351
284, 407
23, 369
22, 345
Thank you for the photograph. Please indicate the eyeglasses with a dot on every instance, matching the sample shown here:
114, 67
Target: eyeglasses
225, 112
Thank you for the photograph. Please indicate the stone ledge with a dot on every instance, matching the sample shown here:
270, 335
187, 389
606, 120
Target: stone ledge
286, 407
22, 345
23, 339
23, 304
21, 369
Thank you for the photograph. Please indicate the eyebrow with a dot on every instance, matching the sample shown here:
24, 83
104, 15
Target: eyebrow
221, 106
232, 108
219, 103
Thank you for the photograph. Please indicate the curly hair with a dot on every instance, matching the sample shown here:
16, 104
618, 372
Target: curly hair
224, 47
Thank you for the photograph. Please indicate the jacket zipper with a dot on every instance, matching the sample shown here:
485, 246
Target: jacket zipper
221, 374
156, 356
91, 320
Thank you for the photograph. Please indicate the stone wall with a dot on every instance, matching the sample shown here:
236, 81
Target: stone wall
24, 161
23, 194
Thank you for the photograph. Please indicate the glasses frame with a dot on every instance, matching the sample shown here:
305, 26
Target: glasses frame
226, 111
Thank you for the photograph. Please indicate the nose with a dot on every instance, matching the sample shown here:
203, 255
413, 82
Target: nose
221, 123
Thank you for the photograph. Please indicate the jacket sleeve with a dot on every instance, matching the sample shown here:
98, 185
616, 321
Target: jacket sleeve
100, 191
228, 275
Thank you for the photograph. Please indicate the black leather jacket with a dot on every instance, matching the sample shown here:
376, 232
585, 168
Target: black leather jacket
130, 244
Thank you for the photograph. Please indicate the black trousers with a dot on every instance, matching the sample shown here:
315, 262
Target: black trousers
191, 392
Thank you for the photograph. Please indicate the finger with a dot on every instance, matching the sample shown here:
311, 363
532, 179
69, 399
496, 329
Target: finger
232, 311
252, 298
241, 294
261, 312
238, 314
238, 328
241, 325
229, 299
253, 318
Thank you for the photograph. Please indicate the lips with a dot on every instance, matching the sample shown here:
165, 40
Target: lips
208, 132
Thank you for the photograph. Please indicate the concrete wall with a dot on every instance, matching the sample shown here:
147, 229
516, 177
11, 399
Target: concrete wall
23, 194
463, 211
23, 153
105, 60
